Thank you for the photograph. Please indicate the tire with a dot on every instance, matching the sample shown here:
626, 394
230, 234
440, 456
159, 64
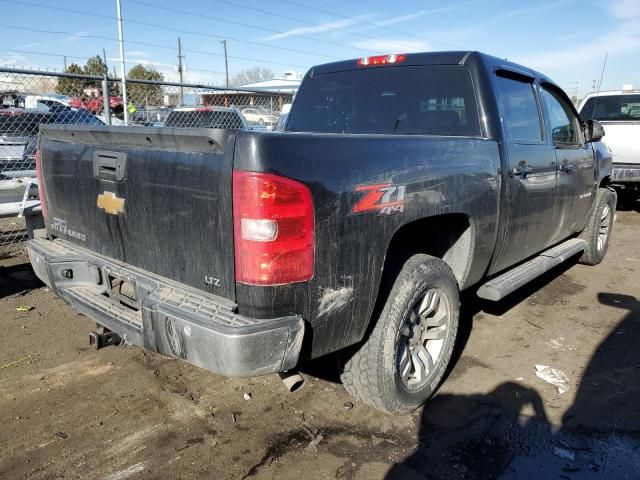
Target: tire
597, 233
398, 341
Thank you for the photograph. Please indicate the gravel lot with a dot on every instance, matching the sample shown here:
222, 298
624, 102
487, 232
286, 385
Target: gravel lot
68, 411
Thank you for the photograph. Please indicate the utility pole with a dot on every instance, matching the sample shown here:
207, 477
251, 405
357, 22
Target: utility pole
226, 62
106, 102
180, 70
122, 66
65, 63
576, 89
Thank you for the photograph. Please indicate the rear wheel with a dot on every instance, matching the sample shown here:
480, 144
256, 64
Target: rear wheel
401, 363
597, 233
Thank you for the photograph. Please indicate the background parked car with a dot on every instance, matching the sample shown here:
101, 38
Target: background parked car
18, 142
149, 116
619, 113
46, 101
18, 133
259, 117
95, 104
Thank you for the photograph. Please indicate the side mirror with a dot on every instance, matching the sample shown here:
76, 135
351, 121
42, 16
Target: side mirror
594, 131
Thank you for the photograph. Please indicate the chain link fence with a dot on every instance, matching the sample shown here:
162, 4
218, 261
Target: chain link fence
29, 99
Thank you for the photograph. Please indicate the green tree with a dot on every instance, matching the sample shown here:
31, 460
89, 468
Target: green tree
144, 94
96, 66
74, 87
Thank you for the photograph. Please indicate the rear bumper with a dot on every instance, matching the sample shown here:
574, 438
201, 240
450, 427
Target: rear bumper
172, 319
626, 173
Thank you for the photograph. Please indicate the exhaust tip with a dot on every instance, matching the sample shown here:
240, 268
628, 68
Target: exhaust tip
292, 380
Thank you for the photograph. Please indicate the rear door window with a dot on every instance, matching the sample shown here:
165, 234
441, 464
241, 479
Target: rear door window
413, 100
520, 112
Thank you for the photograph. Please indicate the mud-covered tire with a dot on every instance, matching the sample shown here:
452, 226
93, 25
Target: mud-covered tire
373, 374
597, 232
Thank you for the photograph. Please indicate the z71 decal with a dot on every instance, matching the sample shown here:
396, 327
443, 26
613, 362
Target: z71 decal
384, 197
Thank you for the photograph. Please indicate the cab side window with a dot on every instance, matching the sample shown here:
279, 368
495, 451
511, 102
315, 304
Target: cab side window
565, 126
520, 112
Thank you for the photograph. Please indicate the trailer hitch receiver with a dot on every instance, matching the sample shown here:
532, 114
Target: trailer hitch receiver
103, 337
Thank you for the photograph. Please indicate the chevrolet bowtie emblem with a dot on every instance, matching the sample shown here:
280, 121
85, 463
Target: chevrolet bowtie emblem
110, 203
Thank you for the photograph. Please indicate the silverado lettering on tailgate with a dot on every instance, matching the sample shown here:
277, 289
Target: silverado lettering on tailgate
59, 225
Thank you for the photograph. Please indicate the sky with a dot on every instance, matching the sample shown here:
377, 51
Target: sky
565, 39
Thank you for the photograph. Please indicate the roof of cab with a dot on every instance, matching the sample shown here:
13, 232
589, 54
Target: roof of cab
438, 58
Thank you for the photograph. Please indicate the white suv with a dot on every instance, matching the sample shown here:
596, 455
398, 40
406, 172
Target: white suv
619, 113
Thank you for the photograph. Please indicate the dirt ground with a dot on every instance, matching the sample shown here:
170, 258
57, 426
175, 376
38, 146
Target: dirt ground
68, 411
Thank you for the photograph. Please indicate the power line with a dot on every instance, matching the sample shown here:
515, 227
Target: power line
127, 61
147, 44
238, 40
371, 24
337, 29
383, 27
60, 9
31, 52
165, 27
248, 25
232, 22
237, 5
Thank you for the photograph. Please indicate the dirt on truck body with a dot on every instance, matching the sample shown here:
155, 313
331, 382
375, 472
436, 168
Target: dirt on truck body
399, 182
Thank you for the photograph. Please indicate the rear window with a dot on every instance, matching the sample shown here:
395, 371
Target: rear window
66, 115
414, 100
204, 119
612, 108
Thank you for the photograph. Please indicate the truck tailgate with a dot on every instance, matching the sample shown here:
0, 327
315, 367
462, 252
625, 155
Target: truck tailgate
155, 198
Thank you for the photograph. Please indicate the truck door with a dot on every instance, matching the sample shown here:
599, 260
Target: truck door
576, 169
529, 208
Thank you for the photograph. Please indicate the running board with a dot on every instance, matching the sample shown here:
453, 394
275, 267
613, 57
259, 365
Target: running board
501, 286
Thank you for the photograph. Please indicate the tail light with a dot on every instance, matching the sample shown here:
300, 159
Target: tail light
41, 194
273, 229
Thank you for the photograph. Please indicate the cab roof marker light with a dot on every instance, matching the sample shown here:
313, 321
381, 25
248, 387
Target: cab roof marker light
381, 60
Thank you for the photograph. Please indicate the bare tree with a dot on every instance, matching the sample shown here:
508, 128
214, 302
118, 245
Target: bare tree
251, 75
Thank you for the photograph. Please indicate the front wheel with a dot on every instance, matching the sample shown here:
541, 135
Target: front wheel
597, 233
402, 362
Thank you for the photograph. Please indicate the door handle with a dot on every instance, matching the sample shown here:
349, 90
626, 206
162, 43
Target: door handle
109, 165
521, 170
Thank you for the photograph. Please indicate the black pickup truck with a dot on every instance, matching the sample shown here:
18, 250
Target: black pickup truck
399, 181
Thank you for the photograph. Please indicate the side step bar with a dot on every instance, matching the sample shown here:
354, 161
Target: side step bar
502, 285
